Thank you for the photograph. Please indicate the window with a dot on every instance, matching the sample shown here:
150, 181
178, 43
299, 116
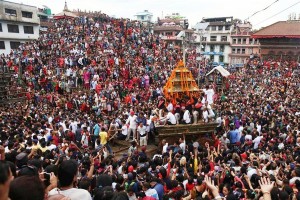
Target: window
223, 38
213, 28
234, 41
238, 51
243, 51
26, 14
169, 33
13, 28
2, 45
212, 57
10, 12
244, 41
213, 38
220, 28
227, 28
239, 41
222, 48
212, 48
203, 39
221, 58
14, 45
0, 27
28, 29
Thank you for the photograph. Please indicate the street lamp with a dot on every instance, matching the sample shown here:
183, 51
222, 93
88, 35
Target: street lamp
200, 27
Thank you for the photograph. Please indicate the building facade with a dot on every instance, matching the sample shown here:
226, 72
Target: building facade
144, 16
169, 28
242, 45
280, 40
18, 23
216, 39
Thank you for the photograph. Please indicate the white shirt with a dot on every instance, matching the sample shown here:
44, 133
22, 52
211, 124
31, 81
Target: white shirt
142, 131
63, 125
85, 140
171, 118
52, 146
258, 126
182, 146
170, 107
256, 141
132, 121
73, 193
68, 72
248, 137
210, 94
124, 130
205, 114
165, 148
152, 193
73, 126
187, 117
50, 119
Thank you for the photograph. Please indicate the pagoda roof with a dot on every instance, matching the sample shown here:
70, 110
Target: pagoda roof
65, 14
281, 29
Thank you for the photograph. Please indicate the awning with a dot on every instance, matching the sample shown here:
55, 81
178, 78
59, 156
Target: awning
220, 69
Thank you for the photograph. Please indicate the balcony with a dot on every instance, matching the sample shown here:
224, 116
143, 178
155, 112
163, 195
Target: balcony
218, 42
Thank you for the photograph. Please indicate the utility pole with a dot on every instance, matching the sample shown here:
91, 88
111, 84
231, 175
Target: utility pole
20, 69
200, 27
200, 59
183, 47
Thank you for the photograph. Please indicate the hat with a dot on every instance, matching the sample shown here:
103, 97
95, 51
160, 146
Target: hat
28, 171
244, 156
131, 113
224, 135
195, 144
22, 156
143, 148
130, 168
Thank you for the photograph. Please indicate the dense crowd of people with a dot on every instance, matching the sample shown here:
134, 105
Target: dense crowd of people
90, 80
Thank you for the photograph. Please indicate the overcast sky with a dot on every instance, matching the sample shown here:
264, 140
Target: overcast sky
194, 10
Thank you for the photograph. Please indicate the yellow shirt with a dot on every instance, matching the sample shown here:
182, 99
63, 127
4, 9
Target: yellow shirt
103, 138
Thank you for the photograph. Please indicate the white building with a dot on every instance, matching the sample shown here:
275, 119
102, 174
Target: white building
144, 16
216, 39
18, 23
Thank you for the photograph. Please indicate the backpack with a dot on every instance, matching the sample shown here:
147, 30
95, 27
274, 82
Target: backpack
129, 185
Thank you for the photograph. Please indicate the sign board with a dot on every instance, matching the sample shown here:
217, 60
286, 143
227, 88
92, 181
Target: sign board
213, 53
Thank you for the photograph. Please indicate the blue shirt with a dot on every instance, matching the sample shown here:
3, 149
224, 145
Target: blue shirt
233, 136
96, 130
160, 190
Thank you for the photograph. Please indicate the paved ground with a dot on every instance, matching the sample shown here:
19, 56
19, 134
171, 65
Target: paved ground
121, 147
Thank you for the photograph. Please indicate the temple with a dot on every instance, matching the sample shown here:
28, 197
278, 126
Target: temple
180, 83
65, 14
280, 40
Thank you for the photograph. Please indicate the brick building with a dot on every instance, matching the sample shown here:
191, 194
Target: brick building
280, 40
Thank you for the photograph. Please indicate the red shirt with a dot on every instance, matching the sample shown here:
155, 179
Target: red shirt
55, 139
